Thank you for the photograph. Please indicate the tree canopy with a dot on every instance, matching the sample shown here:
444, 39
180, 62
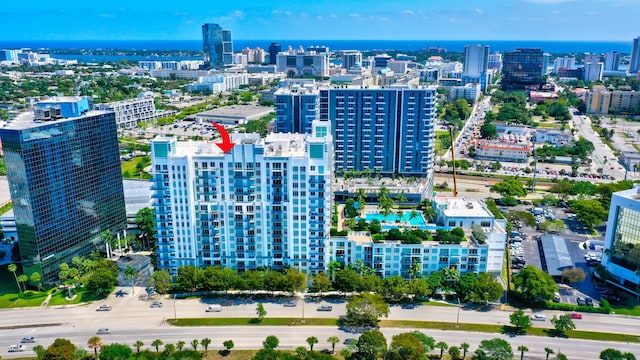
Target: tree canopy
509, 187
535, 284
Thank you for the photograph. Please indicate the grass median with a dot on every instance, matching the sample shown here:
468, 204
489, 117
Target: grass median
411, 324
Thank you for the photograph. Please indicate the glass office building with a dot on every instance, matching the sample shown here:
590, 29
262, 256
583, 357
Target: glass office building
621, 243
66, 187
522, 69
217, 46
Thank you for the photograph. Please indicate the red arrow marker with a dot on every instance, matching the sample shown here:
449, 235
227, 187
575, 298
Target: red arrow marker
226, 145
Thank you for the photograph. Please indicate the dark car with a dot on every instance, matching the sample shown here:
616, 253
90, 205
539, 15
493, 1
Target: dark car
409, 306
325, 308
589, 301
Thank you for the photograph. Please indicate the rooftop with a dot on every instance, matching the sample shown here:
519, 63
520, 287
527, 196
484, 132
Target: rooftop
63, 99
26, 120
457, 207
556, 254
237, 111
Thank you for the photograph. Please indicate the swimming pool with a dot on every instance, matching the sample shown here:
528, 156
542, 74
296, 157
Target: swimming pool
392, 218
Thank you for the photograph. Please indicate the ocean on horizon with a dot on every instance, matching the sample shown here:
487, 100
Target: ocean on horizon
362, 45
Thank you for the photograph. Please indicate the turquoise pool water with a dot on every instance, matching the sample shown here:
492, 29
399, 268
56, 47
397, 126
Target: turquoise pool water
392, 218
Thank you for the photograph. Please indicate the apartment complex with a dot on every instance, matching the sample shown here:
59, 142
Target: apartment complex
599, 100
66, 186
217, 46
297, 107
130, 113
390, 130
393, 258
267, 202
622, 246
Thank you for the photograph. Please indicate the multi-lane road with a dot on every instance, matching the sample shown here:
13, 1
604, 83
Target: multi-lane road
132, 319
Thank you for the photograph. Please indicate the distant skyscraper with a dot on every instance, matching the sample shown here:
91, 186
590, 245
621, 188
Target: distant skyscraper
634, 66
522, 69
476, 58
612, 61
563, 63
274, 49
593, 71
350, 58
217, 46
495, 61
66, 186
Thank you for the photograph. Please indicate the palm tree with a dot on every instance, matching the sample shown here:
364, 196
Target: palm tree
333, 340
13, 268
465, 347
442, 346
180, 345
205, 343
156, 343
169, 348
549, 351
95, 343
361, 195
23, 280
131, 273
312, 340
194, 344
36, 278
138, 344
522, 350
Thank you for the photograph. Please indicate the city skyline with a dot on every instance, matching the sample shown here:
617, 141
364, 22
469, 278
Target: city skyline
408, 20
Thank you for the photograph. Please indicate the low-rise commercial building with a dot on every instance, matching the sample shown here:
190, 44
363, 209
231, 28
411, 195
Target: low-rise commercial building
553, 136
129, 113
500, 151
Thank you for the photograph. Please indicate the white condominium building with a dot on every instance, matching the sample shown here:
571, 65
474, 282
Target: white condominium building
130, 112
265, 203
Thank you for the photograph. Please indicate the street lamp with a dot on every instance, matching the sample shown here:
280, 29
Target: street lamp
175, 316
458, 316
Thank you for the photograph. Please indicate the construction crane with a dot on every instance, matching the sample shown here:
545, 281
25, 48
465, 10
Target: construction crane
453, 161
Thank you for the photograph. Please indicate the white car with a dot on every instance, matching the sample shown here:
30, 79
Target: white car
214, 308
538, 317
16, 348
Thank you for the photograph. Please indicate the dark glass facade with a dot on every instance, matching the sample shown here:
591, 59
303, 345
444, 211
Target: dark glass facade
522, 69
66, 187
625, 250
217, 46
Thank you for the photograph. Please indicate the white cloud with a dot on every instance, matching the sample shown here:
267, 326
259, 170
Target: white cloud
407, 12
354, 15
237, 14
453, 20
478, 11
333, 16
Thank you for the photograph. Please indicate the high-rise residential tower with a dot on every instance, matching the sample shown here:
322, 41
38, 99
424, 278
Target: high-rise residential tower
217, 46
389, 130
296, 108
634, 66
350, 58
612, 61
266, 203
66, 186
476, 58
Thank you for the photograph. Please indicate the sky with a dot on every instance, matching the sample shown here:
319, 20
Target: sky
556, 20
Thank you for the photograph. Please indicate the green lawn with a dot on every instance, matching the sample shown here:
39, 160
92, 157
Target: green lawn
548, 125
486, 328
12, 300
6, 207
129, 169
82, 296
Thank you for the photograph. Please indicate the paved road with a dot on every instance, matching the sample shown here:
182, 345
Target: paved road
132, 319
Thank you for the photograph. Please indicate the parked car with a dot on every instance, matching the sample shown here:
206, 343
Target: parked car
581, 301
16, 348
325, 308
104, 308
156, 304
538, 317
349, 341
28, 339
576, 316
556, 297
589, 301
214, 308
103, 331
409, 306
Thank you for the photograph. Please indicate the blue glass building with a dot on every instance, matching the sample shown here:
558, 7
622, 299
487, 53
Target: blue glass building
66, 187
217, 46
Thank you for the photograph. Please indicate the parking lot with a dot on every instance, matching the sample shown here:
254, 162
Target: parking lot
525, 249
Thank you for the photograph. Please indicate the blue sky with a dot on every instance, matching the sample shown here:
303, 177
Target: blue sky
596, 20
